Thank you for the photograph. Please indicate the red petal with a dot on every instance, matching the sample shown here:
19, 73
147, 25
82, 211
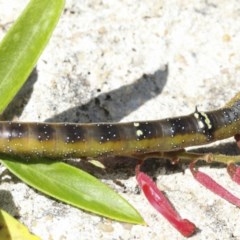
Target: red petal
234, 172
159, 201
213, 186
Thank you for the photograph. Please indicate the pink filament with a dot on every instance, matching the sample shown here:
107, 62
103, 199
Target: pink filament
234, 172
160, 202
213, 186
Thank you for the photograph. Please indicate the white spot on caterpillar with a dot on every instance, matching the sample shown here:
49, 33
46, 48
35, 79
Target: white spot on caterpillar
196, 115
136, 124
200, 124
139, 133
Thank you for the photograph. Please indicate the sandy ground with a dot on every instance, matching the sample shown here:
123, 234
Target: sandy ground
128, 61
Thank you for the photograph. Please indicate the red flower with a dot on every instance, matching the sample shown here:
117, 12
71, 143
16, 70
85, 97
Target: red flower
160, 202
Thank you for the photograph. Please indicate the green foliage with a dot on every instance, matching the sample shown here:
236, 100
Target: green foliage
73, 186
11, 229
23, 44
19, 52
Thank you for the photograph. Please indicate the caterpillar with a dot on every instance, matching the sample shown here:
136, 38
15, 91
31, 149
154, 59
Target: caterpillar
72, 140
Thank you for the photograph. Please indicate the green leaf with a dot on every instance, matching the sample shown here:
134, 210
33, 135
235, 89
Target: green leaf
75, 187
12, 229
19, 52
23, 44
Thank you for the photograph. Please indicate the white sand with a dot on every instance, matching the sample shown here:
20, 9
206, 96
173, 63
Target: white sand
101, 49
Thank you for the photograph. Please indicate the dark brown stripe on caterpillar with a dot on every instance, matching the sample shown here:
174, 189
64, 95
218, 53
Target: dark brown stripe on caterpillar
11, 130
71, 133
42, 132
